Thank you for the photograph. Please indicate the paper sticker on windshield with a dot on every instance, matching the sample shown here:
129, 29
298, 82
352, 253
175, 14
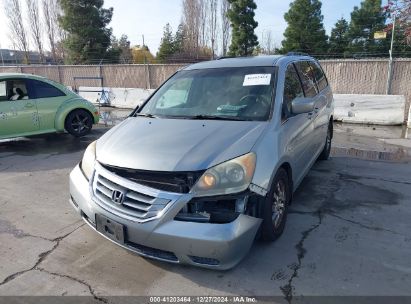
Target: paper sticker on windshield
256, 79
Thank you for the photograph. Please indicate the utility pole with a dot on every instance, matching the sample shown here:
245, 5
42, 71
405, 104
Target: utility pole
390, 64
212, 47
148, 84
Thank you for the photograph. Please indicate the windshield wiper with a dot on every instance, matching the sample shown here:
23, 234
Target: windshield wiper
214, 117
146, 115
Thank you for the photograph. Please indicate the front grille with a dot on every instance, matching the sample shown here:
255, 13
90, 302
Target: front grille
135, 204
177, 182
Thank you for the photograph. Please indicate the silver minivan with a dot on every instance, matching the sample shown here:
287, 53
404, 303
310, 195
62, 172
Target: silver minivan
210, 161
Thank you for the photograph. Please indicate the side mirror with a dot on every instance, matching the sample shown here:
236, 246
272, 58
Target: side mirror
302, 105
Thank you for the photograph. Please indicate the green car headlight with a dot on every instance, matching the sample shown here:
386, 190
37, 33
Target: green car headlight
89, 158
232, 176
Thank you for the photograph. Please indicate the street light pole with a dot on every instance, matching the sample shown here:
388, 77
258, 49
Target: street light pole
389, 78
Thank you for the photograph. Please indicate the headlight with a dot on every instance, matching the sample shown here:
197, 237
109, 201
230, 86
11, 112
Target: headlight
230, 177
87, 164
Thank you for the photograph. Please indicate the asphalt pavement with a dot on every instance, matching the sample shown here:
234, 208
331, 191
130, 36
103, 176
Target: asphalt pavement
348, 232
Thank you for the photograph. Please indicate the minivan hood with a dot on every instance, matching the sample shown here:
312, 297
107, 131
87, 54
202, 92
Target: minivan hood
176, 144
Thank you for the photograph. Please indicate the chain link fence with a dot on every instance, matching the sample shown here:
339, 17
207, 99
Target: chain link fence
370, 77
348, 76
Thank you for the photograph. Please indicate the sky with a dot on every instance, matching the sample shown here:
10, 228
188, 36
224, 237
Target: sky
136, 18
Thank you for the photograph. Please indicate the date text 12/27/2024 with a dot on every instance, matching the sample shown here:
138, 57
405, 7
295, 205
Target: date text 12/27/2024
202, 299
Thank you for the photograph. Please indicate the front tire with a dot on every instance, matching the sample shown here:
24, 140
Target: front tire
325, 154
79, 123
275, 207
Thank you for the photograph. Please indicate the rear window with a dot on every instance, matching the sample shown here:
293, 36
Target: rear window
44, 90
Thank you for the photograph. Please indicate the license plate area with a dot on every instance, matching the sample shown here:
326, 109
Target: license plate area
110, 228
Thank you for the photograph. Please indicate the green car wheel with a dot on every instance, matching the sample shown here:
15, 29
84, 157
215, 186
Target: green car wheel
79, 123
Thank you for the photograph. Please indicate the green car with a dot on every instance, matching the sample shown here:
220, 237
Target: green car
31, 105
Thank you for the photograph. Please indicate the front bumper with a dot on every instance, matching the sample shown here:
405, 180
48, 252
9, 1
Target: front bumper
216, 246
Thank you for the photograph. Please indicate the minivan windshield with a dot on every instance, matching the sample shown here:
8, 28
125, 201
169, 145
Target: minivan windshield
244, 93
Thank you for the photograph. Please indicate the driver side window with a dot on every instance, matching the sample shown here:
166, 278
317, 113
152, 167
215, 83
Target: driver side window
292, 90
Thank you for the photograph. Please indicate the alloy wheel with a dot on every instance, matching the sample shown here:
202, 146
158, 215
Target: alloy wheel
80, 123
279, 203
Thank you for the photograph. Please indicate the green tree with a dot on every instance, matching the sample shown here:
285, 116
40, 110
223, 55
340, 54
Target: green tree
179, 39
305, 31
85, 22
241, 15
365, 21
124, 46
113, 52
401, 9
338, 38
167, 47
121, 47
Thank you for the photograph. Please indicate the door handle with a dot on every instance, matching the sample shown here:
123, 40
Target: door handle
29, 105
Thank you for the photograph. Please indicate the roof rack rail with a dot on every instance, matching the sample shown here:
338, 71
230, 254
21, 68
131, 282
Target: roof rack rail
224, 57
297, 54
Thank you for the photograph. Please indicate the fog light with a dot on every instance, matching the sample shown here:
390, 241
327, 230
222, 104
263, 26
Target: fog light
204, 261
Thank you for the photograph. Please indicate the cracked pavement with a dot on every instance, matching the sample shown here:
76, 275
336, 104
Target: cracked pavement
348, 233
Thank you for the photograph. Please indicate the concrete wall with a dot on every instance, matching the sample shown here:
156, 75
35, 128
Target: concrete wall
127, 98
352, 108
369, 76
370, 109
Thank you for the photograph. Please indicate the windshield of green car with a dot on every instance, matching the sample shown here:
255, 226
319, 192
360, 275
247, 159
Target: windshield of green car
244, 93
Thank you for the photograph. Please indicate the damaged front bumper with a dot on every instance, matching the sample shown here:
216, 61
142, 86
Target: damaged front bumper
158, 233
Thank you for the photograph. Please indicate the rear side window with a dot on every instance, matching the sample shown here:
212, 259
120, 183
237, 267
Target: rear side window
306, 72
292, 90
41, 89
322, 82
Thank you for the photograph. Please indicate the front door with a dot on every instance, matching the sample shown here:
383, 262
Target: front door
18, 113
297, 130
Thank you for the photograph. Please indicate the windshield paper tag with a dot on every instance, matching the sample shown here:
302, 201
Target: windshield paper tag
256, 79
